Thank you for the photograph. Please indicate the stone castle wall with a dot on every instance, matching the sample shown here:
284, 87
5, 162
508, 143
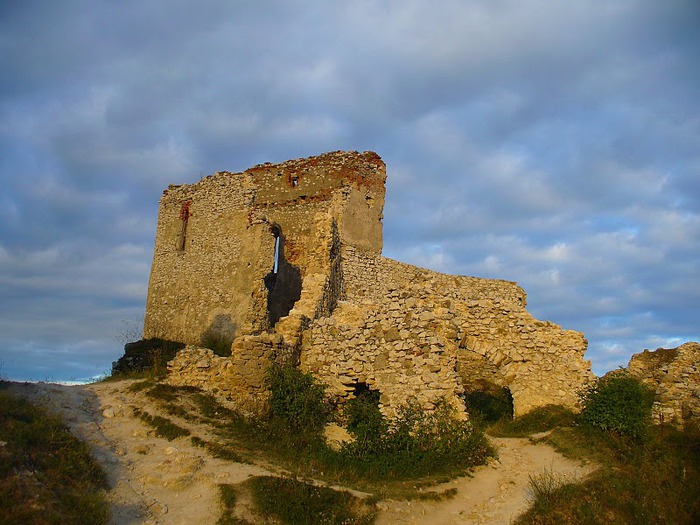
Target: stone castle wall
405, 330
214, 279
674, 374
358, 320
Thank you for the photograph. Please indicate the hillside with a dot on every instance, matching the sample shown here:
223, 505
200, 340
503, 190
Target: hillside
157, 480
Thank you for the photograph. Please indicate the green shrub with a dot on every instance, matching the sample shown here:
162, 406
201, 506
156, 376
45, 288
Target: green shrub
365, 421
620, 404
294, 502
417, 443
217, 343
297, 400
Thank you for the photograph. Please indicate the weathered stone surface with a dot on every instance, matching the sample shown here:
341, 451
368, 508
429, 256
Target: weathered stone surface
674, 374
285, 262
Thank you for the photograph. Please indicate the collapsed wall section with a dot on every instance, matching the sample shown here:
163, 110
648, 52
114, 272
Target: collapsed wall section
410, 332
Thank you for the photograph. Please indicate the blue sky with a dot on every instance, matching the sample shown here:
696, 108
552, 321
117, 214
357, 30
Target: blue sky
553, 143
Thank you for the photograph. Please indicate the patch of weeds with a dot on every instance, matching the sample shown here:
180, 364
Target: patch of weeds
544, 486
655, 480
164, 427
169, 393
229, 497
222, 451
437, 496
294, 502
540, 419
46, 474
140, 386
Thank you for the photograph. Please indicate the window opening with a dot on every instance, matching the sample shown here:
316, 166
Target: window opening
283, 283
276, 263
184, 219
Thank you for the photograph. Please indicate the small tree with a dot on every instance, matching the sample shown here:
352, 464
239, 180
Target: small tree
620, 404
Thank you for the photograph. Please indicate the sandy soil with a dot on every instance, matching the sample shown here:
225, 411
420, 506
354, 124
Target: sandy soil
155, 481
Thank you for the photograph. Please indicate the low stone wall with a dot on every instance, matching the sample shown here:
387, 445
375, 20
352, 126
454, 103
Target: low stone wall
675, 376
237, 381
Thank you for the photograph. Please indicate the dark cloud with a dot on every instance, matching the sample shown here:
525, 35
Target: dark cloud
554, 145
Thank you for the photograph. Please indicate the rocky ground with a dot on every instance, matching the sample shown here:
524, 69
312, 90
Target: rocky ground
156, 481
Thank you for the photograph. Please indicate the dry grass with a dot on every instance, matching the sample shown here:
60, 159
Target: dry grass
46, 474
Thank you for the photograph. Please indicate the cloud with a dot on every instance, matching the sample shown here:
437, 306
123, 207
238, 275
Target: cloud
555, 145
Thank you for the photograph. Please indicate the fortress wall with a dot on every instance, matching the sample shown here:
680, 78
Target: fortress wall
674, 374
353, 318
214, 278
213, 274
402, 326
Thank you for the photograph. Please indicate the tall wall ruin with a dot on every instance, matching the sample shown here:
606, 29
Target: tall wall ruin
285, 261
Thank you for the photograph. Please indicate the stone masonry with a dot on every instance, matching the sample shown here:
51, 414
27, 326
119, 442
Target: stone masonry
283, 263
674, 374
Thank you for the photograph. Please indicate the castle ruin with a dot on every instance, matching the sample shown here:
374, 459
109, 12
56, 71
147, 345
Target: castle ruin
283, 261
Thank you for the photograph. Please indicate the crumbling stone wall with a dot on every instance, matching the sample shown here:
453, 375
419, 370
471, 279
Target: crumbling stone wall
674, 374
360, 320
238, 381
407, 331
233, 221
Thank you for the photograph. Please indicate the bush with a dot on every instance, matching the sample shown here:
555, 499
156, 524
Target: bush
365, 421
620, 404
416, 443
297, 399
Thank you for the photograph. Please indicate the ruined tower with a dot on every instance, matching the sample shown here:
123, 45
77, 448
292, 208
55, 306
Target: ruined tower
287, 258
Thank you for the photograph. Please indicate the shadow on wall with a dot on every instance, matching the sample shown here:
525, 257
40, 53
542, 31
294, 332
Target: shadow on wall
219, 336
283, 283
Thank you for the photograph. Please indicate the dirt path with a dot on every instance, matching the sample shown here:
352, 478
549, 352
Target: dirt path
155, 481
495, 495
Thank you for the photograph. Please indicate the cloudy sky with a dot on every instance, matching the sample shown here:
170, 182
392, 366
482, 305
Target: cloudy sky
551, 142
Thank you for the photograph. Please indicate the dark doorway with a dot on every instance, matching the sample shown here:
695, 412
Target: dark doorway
283, 283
